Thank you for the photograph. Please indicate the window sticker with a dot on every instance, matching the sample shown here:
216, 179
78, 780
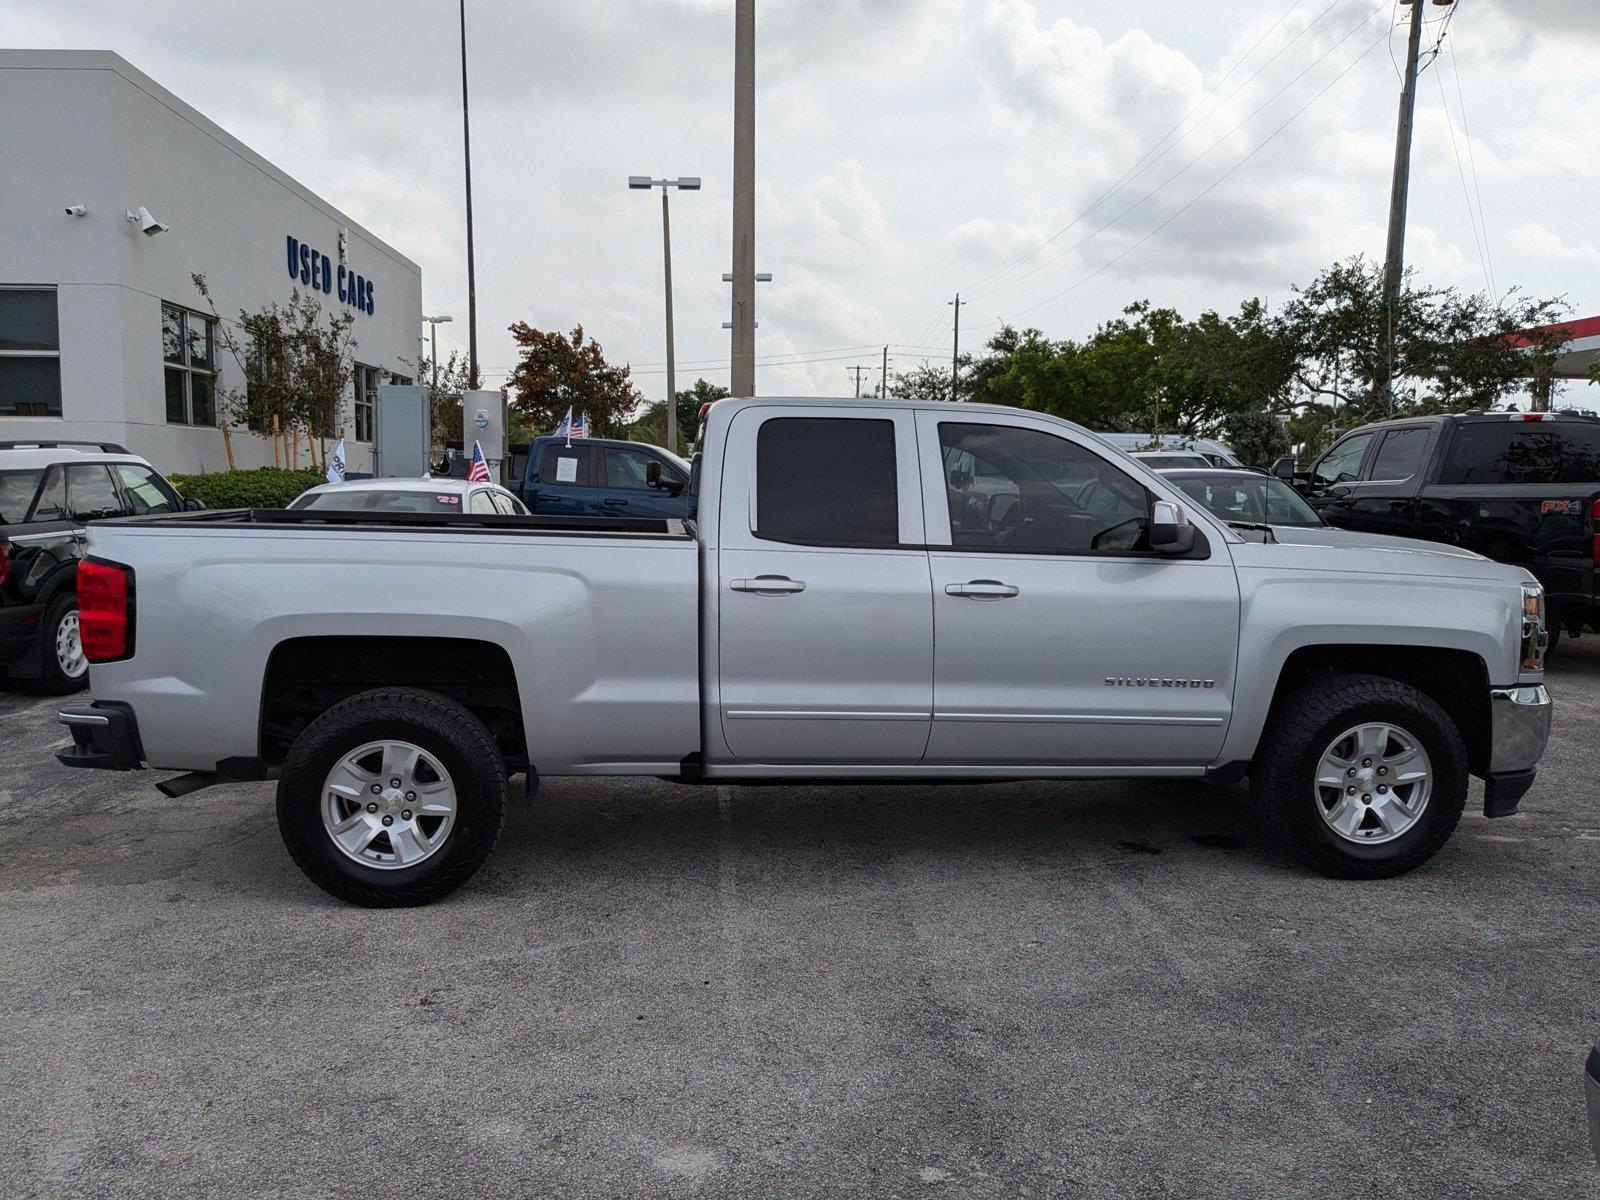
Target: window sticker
566, 470
448, 499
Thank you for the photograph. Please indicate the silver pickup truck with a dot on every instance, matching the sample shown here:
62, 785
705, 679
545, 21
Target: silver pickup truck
871, 591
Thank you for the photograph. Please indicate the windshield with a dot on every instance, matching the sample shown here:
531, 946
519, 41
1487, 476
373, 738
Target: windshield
1165, 462
1258, 500
374, 500
16, 493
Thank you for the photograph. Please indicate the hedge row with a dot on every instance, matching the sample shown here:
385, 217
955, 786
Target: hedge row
264, 487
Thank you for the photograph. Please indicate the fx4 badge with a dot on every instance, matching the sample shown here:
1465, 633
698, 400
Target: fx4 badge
1154, 681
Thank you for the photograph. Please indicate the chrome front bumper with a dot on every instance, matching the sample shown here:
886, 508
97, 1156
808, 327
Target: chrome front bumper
1519, 719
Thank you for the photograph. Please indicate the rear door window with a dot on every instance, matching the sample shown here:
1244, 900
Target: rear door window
17, 489
52, 502
827, 481
1400, 456
90, 492
567, 466
1523, 452
481, 502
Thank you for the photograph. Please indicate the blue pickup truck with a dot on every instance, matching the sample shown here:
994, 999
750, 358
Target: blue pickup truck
598, 477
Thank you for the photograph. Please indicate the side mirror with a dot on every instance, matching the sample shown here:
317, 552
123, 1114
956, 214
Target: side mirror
1170, 531
193, 505
656, 478
1284, 469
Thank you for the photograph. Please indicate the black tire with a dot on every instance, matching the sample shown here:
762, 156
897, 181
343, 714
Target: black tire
1554, 627
438, 725
53, 680
1304, 724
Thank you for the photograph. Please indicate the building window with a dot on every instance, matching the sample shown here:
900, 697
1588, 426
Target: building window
189, 348
367, 380
30, 353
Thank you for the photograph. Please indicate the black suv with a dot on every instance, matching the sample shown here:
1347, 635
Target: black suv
47, 491
1517, 487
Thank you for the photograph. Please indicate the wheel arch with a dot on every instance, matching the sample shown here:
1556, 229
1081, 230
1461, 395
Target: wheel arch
306, 676
1457, 680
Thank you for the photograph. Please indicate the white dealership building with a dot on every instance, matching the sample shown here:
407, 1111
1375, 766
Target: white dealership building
115, 194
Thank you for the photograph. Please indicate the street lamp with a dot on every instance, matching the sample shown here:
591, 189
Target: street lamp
436, 322
687, 183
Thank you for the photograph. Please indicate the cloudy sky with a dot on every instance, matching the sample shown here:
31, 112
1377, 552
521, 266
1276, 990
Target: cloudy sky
1052, 159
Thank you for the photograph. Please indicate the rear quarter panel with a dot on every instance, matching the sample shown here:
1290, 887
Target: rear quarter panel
601, 633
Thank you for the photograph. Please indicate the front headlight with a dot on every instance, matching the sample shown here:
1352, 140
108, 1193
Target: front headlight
1534, 637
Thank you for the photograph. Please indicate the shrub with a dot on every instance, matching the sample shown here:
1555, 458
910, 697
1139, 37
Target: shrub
264, 487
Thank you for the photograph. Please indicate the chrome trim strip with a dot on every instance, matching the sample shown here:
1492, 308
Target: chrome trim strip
1077, 718
821, 714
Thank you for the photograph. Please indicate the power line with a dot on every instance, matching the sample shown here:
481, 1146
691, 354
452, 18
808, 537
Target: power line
1191, 163
1472, 161
1461, 174
1212, 186
1146, 161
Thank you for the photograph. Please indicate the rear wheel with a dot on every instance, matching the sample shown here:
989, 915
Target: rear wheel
1359, 776
392, 798
62, 666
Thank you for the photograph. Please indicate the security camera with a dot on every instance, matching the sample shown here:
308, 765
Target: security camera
146, 222
77, 210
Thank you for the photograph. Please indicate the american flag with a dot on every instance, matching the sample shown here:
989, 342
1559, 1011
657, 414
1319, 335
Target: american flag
571, 427
478, 472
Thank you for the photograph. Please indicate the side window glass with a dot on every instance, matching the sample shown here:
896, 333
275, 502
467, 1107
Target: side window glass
503, 504
1400, 456
827, 481
90, 492
146, 492
481, 502
626, 468
1343, 463
1024, 489
561, 466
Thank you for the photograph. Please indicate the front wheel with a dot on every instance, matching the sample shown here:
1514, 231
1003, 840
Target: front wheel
392, 798
1359, 776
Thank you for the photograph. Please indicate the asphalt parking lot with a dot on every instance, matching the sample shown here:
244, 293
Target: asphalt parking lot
1030, 989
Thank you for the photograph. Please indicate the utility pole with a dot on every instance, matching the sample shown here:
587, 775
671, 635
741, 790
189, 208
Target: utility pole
472, 278
1394, 253
955, 351
684, 183
883, 393
742, 366
856, 371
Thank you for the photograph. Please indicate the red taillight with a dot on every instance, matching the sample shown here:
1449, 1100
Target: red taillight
5, 564
105, 611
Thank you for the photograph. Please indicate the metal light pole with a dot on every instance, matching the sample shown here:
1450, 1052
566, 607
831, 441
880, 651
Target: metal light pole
685, 183
472, 278
435, 322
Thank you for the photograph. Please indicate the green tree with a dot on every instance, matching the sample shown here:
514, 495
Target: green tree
558, 371
1452, 352
1258, 438
650, 425
294, 366
446, 406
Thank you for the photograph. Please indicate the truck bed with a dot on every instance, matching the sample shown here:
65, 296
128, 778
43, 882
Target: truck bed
546, 615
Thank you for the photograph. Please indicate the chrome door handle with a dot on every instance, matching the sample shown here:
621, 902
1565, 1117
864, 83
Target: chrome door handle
982, 589
615, 503
768, 585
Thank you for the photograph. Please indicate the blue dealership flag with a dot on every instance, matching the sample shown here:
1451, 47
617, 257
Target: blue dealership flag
336, 464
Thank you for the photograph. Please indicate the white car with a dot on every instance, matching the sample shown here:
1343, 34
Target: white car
425, 495
1212, 453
